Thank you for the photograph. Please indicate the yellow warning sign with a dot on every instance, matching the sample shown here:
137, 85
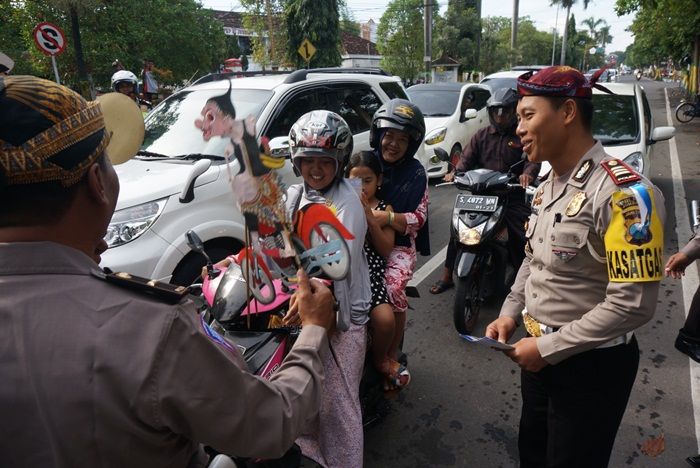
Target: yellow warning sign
306, 50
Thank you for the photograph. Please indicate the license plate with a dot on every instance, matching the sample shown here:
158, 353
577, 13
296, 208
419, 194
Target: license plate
476, 203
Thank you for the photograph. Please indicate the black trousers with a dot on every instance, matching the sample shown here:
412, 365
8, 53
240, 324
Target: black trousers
572, 410
691, 329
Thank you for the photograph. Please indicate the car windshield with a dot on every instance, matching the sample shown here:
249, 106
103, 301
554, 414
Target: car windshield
615, 119
170, 129
435, 102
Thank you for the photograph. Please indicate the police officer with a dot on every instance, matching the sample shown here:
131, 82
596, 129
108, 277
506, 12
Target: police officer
97, 374
498, 148
590, 278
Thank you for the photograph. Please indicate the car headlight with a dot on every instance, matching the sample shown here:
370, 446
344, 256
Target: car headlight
129, 223
635, 161
436, 136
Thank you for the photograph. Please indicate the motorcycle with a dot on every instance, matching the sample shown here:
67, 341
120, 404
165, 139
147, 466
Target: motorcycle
229, 308
229, 313
478, 228
638, 75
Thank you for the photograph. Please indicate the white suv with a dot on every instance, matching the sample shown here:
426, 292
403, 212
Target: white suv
179, 182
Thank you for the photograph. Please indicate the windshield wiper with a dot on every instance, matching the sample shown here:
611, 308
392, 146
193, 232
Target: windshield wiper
198, 156
437, 114
624, 141
191, 156
151, 154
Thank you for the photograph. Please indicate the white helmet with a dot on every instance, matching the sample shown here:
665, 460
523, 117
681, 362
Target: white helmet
124, 76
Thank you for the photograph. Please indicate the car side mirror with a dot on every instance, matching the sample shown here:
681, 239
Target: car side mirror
662, 133
199, 168
470, 114
279, 147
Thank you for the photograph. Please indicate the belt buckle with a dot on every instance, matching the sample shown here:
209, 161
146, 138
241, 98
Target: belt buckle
533, 327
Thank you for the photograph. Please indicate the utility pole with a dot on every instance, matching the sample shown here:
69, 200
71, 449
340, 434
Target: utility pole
514, 32
554, 34
428, 36
270, 34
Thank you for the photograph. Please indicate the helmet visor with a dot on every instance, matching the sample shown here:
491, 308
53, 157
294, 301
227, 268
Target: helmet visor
503, 118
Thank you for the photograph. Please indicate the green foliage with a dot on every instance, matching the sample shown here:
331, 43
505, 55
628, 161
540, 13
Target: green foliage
534, 46
179, 35
347, 19
494, 51
662, 29
265, 19
319, 22
458, 34
400, 38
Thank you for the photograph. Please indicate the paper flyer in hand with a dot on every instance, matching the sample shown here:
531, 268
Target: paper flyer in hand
488, 342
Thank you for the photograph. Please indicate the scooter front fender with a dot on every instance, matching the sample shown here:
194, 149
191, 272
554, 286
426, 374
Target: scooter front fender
465, 260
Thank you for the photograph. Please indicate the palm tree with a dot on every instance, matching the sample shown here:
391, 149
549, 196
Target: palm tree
593, 24
566, 4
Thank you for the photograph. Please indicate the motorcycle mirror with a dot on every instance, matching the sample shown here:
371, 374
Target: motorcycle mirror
194, 242
196, 245
442, 154
522, 160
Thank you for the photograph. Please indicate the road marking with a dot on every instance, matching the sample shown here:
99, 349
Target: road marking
690, 280
428, 267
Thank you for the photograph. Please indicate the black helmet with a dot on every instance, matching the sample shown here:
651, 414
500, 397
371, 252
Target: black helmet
402, 115
321, 133
501, 108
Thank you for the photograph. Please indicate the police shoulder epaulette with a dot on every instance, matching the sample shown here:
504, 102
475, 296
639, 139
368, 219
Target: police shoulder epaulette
619, 172
166, 292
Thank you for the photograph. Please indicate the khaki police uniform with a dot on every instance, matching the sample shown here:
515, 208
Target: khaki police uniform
94, 374
594, 258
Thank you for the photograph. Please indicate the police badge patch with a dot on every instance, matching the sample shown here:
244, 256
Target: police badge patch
576, 203
634, 239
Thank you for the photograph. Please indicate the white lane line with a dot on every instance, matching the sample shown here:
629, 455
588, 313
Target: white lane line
428, 267
690, 280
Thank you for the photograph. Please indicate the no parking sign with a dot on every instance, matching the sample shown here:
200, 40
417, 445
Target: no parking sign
51, 41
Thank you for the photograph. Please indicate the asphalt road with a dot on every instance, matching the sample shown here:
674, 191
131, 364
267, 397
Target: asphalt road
463, 405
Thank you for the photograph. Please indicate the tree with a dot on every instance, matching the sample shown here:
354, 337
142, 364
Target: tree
110, 30
458, 35
662, 29
265, 18
494, 50
566, 4
534, 46
319, 22
400, 38
347, 19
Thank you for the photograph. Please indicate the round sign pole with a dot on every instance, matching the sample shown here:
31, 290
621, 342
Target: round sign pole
55, 69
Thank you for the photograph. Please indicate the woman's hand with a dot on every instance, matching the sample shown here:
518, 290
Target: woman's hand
220, 265
676, 265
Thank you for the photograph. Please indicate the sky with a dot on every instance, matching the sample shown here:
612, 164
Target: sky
540, 12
